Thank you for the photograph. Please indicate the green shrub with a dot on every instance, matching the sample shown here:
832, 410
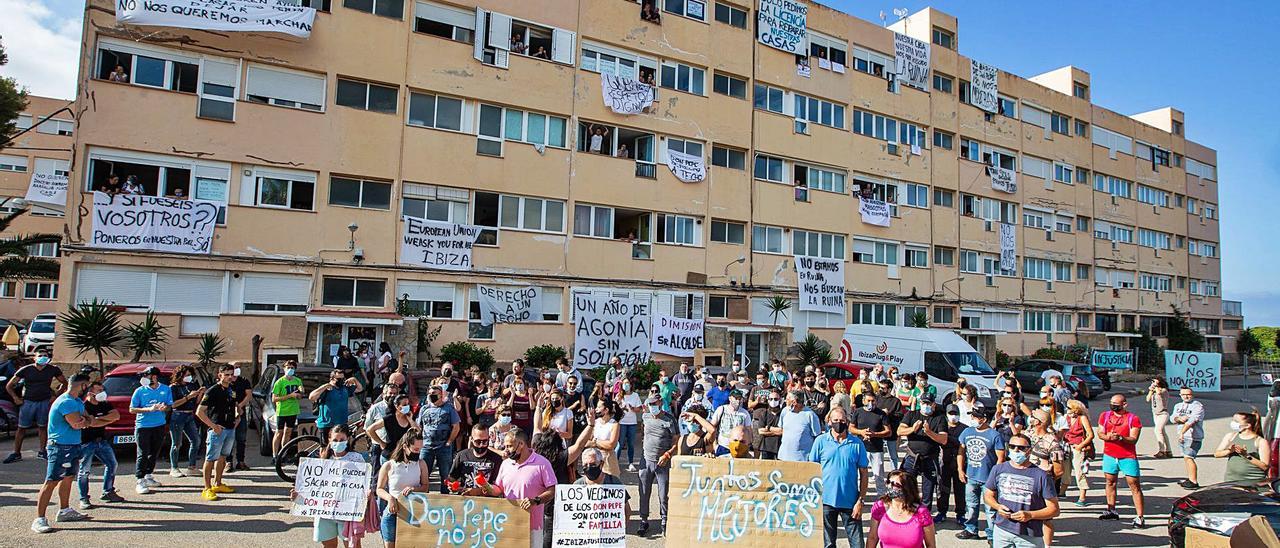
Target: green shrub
464, 355
544, 356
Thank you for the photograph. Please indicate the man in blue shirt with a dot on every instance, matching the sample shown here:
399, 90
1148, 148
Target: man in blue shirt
66, 419
719, 394
800, 426
844, 479
151, 400
981, 448
1023, 496
331, 401
438, 420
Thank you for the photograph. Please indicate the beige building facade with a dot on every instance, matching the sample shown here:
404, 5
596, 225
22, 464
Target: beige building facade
485, 113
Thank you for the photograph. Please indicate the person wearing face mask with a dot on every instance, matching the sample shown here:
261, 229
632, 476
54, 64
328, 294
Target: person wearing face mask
1022, 496
182, 422
520, 401
696, 434
778, 375
488, 402
966, 400
697, 399
924, 386
718, 395
605, 433
812, 397
330, 398
844, 479
34, 401
94, 444
475, 465
725, 419
286, 392
1188, 415
526, 478
684, 381
926, 432
893, 413
949, 484
564, 370
1046, 451
593, 473
1120, 430
758, 397
631, 407
898, 519
219, 412
390, 391
1079, 437
661, 431
386, 431
877, 373
244, 394
1247, 453
909, 393
439, 423
400, 475
840, 398
150, 401
800, 426
767, 421
328, 531
983, 448
67, 419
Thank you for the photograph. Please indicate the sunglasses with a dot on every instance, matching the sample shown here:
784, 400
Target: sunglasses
1019, 447
897, 484
507, 415
480, 443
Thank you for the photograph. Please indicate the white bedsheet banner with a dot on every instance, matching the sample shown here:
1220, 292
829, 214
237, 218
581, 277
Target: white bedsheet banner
231, 15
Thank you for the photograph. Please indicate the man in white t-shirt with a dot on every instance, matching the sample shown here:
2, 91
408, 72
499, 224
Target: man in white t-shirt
726, 418
631, 406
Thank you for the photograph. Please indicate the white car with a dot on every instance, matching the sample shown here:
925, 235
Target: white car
40, 334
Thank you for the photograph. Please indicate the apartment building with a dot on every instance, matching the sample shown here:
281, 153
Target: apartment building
487, 112
43, 149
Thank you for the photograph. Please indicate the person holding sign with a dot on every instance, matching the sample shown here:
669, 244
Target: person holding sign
1247, 453
844, 479
526, 478
328, 531
402, 474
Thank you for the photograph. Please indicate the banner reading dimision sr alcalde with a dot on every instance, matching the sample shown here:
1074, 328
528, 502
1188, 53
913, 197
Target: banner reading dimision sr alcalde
230, 15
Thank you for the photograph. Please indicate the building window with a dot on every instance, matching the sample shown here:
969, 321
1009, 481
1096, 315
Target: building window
820, 179
148, 68
8, 289
729, 85
944, 256
817, 244
1152, 282
353, 292
592, 220
828, 48
53, 126
1082, 128
916, 257
969, 261
943, 83
874, 314
944, 315
875, 252
1114, 186
1080, 90
1060, 123
1177, 127
443, 21
435, 111
1062, 272
47, 249
277, 191
1084, 320
367, 96
1063, 173
768, 98
1036, 321
917, 195
678, 230
728, 232
1082, 271
1008, 106
944, 198
819, 111
728, 157
624, 64
1154, 239
943, 140
944, 38
693, 9
766, 239
1153, 196
682, 77
386, 8
1037, 269
40, 290
887, 129
344, 191
290, 89
16, 164
731, 15
768, 168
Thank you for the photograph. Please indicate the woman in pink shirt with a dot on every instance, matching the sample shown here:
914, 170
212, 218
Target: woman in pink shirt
900, 519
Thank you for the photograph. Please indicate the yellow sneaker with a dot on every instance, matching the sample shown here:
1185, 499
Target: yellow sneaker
220, 488
209, 494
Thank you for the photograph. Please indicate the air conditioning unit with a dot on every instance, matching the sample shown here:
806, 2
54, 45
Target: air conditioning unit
988, 116
1114, 245
1154, 209
1156, 252
1115, 292
991, 280
1114, 200
1048, 285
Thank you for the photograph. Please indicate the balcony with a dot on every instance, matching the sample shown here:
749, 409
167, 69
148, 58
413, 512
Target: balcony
1232, 308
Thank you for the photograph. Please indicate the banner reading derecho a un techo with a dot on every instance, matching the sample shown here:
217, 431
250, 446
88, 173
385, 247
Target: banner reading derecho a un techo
231, 15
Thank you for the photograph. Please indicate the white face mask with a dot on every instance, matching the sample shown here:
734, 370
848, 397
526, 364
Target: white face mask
237, 371
100, 396
188, 378
1236, 426
145, 382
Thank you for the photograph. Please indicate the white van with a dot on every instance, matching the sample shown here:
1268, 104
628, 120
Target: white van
941, 353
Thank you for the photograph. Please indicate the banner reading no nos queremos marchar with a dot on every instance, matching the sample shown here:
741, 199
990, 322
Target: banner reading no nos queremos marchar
126, 221
231, 15
608, 327
509, 304
590, 516
435, 244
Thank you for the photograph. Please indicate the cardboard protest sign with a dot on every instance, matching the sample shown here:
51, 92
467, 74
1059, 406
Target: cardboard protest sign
47, 187
716, 502
435, 244
608, 327
821, 284
331, 489
781, 24
677, 336
1111, 359
626, 96
590, 516
874, 212
1199, 371
912, 59
686, 167
1004, 180
428, 519
983, 91
233, 15
1008, 247
509, 304
125, 221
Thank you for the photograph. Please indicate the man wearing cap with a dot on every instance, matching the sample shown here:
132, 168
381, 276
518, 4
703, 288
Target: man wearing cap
150, 401
661, 430
982, 448
698, 398
926, 432
728, 417
949, 479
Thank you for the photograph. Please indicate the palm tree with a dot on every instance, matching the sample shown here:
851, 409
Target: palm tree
812, 350
146, 338
92, 326
919, 319
212, 346
778, 305
18, 263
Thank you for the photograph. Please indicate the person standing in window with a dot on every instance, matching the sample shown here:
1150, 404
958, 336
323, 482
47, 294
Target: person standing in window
597, 145
118, 75
132, 186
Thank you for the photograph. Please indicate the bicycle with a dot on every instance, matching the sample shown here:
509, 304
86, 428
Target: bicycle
309, 445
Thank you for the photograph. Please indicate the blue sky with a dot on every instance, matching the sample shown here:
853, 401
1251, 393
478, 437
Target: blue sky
1208, 59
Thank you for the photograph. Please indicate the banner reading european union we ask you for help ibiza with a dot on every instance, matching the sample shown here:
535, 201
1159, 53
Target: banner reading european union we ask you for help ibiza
231, 15
1199, 371
1111, 359
745, 503
133, 222
435, 244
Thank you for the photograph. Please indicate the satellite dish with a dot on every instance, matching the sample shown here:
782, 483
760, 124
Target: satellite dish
901, 12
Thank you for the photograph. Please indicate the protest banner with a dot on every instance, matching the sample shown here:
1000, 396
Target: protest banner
429, 519
912, 61
983, 90
1004, 180
280, 16
750, 503
590, 516
1199, 371
821, 284
677, 336
509, 304
607, 327
626, 96
781, 24
331, 489
47, 187
1008, 247
436, 244
874, 212
686, 167
1111, 359
126, 221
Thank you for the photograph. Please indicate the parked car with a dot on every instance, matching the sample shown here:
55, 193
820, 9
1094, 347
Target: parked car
40, 334
1221, 507
120, 383
846, 372
1029, 374
312, 377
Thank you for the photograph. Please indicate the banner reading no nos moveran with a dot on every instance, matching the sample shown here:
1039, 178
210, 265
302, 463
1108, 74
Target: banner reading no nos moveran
1199, 371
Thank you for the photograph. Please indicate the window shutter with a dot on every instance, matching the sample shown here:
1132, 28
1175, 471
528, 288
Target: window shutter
499, 31
123, 287
679, 305
425, 291
435, 12
551, 301
224, 73
289, 86
478, 42
737, 308
289, 290
189, 293
562, 46
698, 310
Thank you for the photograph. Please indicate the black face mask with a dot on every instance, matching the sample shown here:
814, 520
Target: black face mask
556, 403
592, 471
412, 456
1116, 408
435, 398
840, 427
721, 383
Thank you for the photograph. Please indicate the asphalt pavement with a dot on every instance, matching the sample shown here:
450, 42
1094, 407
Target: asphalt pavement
257, 514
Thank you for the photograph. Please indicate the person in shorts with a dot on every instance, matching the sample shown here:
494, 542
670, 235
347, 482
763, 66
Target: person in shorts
66, 419
34, 402
285, 393
1188, 417
219, 412
1120, 430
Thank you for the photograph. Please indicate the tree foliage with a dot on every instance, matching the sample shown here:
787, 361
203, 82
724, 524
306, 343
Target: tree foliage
919, 319
212, 346
544, 356
92, 326
778, 306
1182, 336
464, 355
17, 262
13, 100
146, 337
812, 350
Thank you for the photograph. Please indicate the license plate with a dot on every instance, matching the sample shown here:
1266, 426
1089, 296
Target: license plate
121, 440
984, 392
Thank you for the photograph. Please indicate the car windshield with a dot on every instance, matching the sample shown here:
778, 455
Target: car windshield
42, 327
124, 385
969, 363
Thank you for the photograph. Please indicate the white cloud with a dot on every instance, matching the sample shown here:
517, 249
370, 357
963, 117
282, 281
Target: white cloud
43, 47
